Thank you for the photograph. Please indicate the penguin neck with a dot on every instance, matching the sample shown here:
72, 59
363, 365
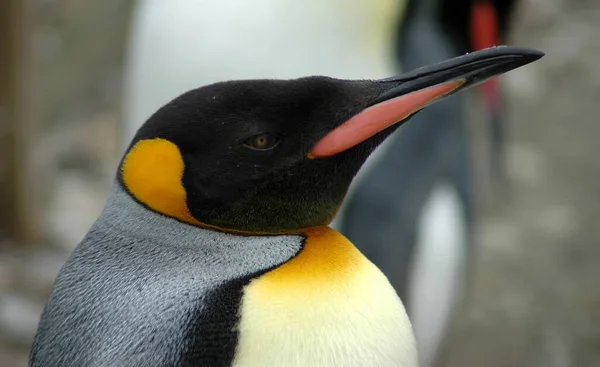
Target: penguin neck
126, 214
152, 172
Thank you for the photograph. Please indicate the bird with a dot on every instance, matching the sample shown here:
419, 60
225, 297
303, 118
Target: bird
419, 233
214, 247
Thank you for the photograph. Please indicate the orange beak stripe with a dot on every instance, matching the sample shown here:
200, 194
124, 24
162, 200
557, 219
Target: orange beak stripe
379, 117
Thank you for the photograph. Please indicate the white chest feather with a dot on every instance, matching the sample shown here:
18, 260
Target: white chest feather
329, 306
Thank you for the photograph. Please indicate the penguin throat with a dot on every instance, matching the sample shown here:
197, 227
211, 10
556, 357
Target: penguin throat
152, 173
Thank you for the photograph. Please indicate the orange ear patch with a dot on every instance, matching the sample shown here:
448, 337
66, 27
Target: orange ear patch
152, 172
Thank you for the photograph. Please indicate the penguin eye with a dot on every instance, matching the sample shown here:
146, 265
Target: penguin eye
262, 142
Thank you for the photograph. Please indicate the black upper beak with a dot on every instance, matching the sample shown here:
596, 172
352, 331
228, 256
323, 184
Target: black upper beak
475, 68
408, 93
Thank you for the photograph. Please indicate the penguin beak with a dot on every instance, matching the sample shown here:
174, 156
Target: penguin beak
408, 93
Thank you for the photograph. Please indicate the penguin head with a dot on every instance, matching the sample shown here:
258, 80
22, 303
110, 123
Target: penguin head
278, 156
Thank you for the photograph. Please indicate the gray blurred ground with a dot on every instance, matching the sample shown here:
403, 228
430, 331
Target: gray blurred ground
535, 294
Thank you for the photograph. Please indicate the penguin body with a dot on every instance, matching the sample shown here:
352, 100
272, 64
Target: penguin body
145, 290
328, 284
213, 248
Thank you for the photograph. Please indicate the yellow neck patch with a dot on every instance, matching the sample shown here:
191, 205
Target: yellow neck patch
327, 259
152, 172
327, 306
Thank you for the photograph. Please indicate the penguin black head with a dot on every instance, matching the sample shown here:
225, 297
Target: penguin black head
277, 156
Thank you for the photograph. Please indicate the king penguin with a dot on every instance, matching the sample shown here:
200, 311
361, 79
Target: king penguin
214, 247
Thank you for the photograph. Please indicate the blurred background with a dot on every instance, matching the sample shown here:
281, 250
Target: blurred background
70, 74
